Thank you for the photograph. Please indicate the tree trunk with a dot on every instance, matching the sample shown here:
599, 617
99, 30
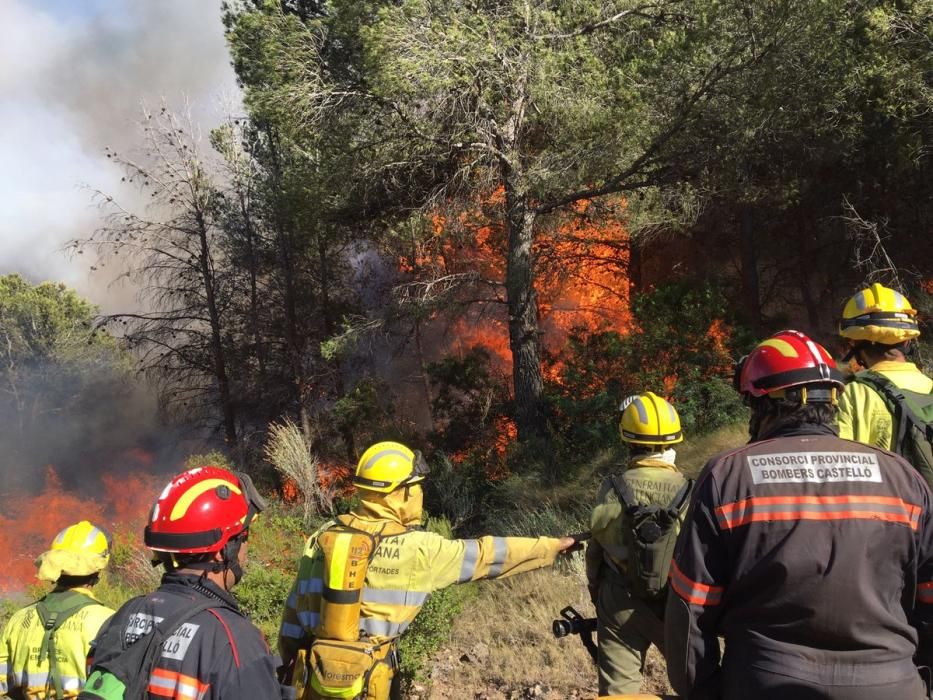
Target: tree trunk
423, 371
283, 253
254, 293
748, 251
419, 340
635, 257
524, 335
805, 277
330, 326
217, 350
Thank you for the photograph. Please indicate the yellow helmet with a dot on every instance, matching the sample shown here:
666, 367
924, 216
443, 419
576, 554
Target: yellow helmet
879, 315
647, 419
81, 549
386, 466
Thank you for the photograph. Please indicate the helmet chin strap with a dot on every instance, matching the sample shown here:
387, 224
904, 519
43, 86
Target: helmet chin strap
231, 562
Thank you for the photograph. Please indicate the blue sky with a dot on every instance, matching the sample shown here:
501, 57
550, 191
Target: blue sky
73, 77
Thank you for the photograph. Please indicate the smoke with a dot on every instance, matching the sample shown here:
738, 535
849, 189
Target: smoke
73, 76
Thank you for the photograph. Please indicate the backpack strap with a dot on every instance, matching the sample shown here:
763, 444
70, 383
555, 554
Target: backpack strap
629, 502
54, 610
624, 492
898, 405
680, 498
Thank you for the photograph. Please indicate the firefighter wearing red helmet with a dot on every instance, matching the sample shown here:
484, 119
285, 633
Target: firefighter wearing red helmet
811, 555
189, 638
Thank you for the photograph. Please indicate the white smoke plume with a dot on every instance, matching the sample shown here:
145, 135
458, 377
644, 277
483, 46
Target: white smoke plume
72, 78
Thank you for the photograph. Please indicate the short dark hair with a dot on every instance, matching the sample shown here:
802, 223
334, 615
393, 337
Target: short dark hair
68, 581
793, 414
878, 351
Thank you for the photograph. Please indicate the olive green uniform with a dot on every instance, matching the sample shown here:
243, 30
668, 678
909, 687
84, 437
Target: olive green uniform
626, 626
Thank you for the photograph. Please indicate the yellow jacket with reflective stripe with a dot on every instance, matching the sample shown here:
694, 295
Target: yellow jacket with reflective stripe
405, 569
864, 416
19, 651
653, 482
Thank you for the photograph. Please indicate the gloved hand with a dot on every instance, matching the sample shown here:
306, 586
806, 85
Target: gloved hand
573, 543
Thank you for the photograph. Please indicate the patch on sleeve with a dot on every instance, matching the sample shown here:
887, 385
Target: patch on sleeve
176, 646
814, 467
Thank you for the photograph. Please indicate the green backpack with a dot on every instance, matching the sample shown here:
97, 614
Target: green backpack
54, 610
649, 535
912, 431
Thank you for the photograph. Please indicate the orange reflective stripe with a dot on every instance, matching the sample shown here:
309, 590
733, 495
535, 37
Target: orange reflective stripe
848, 507
692, 591
169, 684
925, 593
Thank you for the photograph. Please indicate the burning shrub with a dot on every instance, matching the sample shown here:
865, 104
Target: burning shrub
681, 347
288, 452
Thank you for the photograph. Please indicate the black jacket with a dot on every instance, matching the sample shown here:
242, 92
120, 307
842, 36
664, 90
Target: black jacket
812, 556
218, 653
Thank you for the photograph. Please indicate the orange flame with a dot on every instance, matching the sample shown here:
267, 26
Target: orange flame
31, 522
582, 281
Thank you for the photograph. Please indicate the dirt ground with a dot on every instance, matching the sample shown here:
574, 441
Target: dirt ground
501, 647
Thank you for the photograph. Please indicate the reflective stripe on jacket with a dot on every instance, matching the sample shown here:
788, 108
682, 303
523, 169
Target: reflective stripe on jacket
812, 556
22, 637
863, 413
217, 653
405, 569
653, 482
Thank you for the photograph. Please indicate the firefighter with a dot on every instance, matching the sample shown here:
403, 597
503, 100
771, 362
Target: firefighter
198, 529
628, 619
405, 566
811, 555
40, 655
880, 326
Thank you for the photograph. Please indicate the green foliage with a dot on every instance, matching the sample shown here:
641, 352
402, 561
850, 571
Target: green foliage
277, 537
49, 323
456, 491
467, 400
54, 362
214, 458
276, 541
262, 593
365, 411
431, 628
681, 347
8, 606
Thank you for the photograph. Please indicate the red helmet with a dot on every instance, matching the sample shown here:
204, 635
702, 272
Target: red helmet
788, 359
201, 510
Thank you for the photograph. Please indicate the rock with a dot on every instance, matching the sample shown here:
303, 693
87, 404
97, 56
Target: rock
478, 654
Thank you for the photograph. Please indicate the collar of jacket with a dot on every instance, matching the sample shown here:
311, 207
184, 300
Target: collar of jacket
199, 584
83, 590
655, 462
810, 429
893, 366
394, 507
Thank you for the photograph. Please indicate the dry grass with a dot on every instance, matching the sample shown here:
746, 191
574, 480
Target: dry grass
693, 454
512, 620
501, 647
288, 452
